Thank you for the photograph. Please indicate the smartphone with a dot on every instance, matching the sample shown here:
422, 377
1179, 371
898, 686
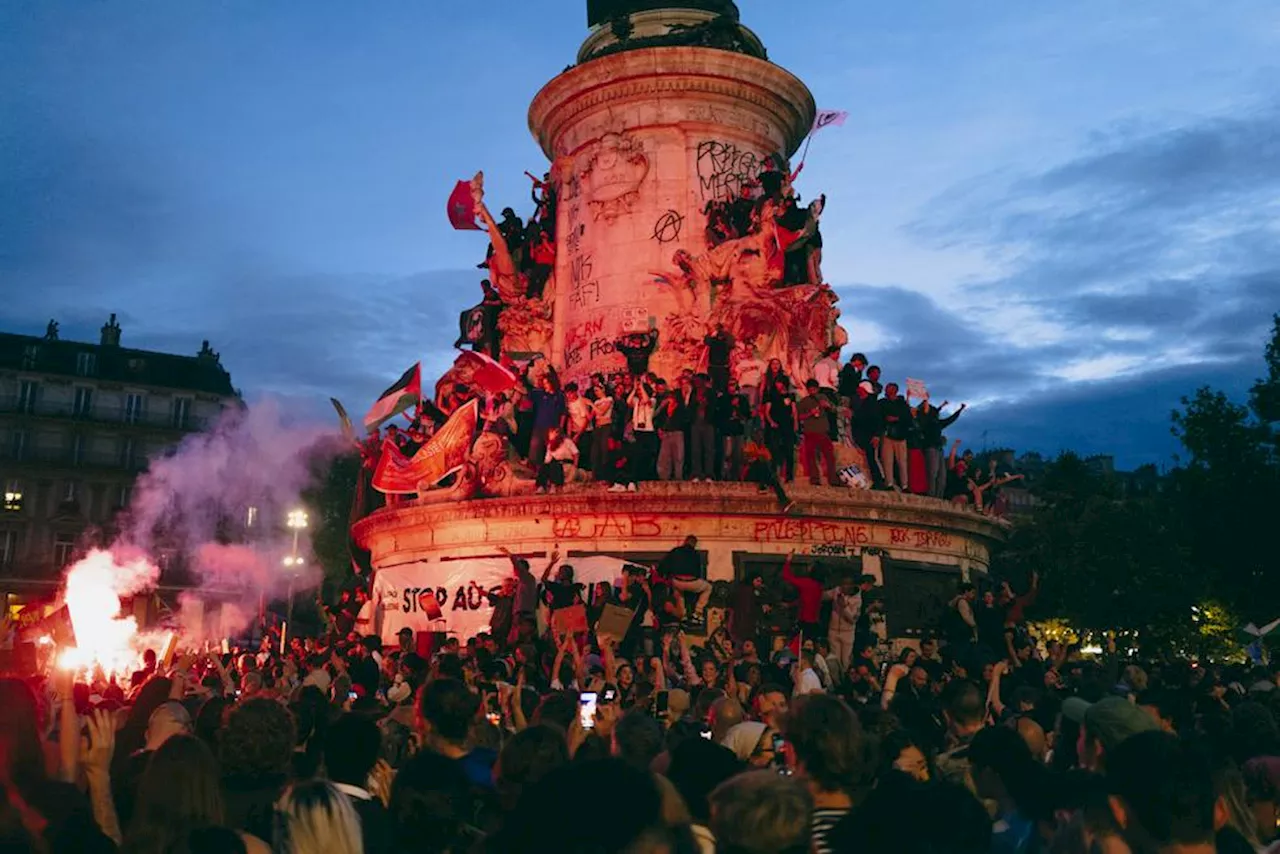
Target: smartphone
706, 733
352, 695
660, 705
587, 709
494, 718
610, 695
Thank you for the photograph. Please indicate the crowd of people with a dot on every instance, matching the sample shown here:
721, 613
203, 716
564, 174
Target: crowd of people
793, 727
741, 419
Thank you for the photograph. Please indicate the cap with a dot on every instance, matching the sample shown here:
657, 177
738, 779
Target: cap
1110, 720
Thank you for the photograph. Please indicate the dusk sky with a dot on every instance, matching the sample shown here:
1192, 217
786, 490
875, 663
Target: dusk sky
1066, 214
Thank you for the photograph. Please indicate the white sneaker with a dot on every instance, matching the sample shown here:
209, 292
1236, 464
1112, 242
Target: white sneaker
631, 487
617, 487
541, 490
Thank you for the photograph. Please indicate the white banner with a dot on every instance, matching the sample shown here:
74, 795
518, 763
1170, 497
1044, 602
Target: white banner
461, 588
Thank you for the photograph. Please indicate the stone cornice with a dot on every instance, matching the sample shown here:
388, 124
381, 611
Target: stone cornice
663, 72
826, 504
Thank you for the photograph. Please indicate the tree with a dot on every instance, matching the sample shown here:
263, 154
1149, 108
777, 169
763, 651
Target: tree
330, 501
1177, 559
1226, 494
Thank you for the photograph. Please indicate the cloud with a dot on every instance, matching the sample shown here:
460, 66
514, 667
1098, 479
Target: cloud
1124, 277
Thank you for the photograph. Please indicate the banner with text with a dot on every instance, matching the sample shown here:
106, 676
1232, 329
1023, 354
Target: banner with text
443, 454
453, 596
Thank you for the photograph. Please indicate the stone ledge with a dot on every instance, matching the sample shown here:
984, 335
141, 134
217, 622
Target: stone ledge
813, 503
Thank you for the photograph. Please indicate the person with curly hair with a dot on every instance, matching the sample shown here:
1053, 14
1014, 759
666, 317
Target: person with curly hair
256, 752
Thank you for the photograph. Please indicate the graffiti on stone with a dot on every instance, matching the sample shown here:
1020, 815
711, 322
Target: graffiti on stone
723, 168
667, 227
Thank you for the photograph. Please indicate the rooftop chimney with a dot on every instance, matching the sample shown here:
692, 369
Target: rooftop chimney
111, 333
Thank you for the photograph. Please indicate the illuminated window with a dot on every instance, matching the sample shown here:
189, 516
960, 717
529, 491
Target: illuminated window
64, 545
86, 364
13, 496
251, 517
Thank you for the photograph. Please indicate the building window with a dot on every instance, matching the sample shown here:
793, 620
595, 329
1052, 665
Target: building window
18, 444
8, 547
251, 517
69, 492
84, 401
127, 450
28, 391
125, 495
181, 412
86, 364
30, 356
64, 545
13, 496
77, 449
135, 407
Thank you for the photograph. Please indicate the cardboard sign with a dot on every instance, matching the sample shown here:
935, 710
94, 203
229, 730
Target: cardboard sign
614, 622
916, 389
570, 621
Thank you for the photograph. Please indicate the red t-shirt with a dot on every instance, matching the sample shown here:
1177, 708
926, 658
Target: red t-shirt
810, 591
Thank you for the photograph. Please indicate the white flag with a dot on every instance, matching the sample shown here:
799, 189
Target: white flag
828, 117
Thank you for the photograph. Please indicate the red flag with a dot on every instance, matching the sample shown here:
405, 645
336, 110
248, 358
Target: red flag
486, 374
462, 207
403, 394
444, 453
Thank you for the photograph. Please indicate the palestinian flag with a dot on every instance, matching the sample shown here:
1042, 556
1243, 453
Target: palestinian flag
405, 393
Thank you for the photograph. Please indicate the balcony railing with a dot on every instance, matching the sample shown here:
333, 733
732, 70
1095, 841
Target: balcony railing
102, 415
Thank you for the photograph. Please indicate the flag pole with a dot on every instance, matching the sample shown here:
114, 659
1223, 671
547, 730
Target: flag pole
804, 154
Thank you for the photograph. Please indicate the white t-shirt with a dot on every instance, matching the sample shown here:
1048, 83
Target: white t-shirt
565, 452
642, 414
579, 415
604, 411
827, 373
808, 683
750, 372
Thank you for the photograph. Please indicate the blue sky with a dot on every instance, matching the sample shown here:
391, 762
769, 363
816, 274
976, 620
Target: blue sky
1067, 214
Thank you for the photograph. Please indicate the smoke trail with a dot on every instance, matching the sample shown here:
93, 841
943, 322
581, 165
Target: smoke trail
220, 499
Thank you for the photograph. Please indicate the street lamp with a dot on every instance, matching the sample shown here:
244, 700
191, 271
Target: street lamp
297, 522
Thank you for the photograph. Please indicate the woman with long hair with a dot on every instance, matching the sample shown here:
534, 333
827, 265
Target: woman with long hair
315, 818
180, 792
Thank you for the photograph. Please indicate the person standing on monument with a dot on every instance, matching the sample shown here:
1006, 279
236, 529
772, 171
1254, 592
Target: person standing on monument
548, 414
896, 415
816, 435
641, 402
636, 347
719, 347
671, 418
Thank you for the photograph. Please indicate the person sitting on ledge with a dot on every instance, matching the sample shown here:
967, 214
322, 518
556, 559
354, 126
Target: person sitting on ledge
560, 450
